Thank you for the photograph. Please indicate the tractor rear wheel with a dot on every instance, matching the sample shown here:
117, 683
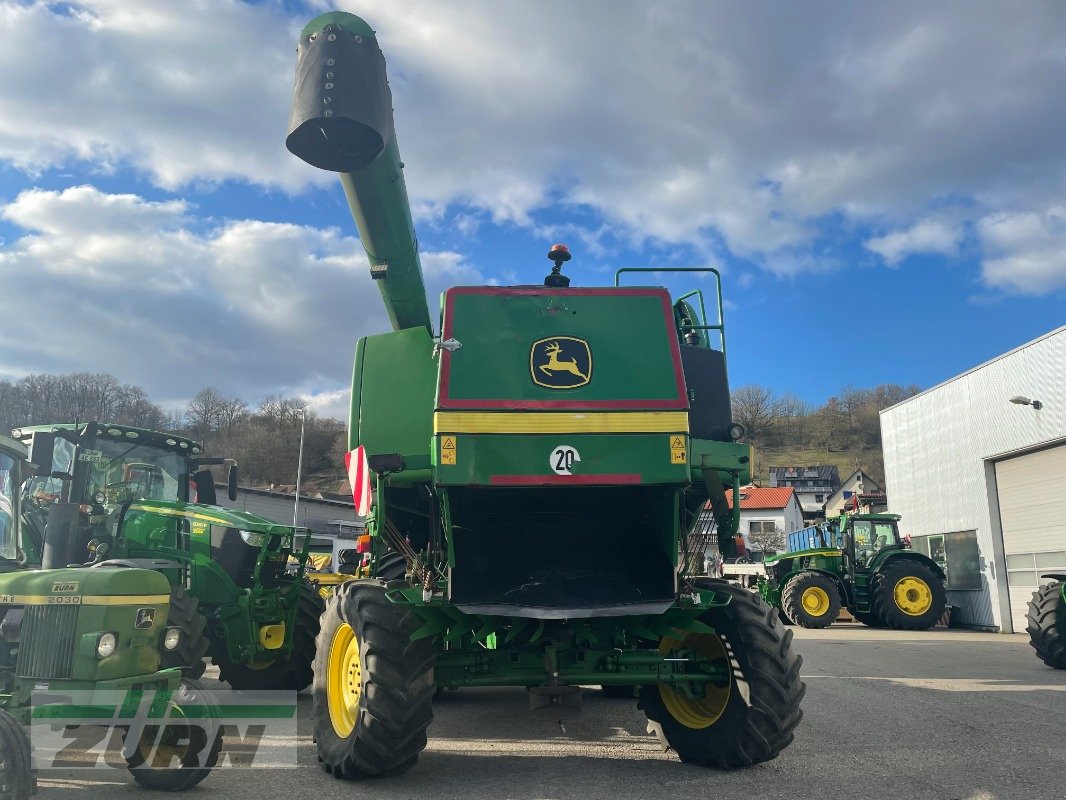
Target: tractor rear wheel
193, 744
1047, 625
811, 600
17, 779
190, 652
293, 673
391, 567
907, 595
753, 718
373, 691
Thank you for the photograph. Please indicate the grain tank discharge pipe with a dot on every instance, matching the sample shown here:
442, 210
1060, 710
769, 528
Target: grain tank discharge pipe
341, 121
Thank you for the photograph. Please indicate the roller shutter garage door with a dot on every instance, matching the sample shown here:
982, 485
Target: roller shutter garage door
1032, 508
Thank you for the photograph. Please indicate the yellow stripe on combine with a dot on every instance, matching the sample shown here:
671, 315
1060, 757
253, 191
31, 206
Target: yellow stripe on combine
84, 600
560, 422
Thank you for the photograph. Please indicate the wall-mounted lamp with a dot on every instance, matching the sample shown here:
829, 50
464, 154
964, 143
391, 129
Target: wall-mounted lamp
1025, 401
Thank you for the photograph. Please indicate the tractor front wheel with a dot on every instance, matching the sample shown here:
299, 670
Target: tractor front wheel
811, 600
373, 690
293, 673
1047, 625
753, 717
907, 595
191, 649
181, 751
16, 769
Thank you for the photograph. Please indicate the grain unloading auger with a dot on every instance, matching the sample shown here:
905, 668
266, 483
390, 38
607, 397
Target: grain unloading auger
540, 467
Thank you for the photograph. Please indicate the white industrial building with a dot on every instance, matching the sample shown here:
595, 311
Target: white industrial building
977, 468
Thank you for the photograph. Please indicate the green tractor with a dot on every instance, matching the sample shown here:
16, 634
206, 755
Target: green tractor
540, 469
68, 632
145, 499
1047, 622
858, 562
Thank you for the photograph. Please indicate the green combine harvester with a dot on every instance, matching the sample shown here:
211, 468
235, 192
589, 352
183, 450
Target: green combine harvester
1046, 620
74, 630
540, 467
858, 562
144, 499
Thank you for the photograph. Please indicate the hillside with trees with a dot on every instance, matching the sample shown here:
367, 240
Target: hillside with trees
264, 438
844, 432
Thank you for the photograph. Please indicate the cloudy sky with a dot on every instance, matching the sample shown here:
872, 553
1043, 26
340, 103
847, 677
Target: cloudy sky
882, 185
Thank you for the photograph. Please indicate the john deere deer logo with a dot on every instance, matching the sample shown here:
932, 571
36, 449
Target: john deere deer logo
561, 362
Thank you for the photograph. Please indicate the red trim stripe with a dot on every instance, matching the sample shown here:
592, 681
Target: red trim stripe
564, 480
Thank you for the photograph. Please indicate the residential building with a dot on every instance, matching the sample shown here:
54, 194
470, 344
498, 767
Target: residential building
766, 510
977, 468
858, 492
813, 485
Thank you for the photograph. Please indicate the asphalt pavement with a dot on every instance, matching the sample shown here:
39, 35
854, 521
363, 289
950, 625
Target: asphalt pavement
945, 715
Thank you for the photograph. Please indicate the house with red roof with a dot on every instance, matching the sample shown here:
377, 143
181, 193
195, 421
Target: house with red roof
767, 509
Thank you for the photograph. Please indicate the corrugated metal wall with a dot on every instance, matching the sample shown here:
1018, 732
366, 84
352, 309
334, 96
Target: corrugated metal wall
315, 514
940, 447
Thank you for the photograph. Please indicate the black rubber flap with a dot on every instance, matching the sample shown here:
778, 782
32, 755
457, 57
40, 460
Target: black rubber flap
341, 116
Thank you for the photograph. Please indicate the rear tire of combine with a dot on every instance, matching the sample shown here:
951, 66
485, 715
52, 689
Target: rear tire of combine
1047, 625
373, 691
195, 745
811, 600
753, 718
295, 673
907, 595
189, 655
17, 781
391, 567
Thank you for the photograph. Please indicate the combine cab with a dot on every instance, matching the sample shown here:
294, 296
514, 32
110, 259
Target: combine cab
112, 495
856, 562
538, 470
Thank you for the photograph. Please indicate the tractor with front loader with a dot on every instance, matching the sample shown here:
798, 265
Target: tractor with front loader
539, 469
858, 562
1046, 621
69, 632
146, 499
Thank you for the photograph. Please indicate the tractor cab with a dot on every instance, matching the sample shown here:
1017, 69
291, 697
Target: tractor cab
866, 536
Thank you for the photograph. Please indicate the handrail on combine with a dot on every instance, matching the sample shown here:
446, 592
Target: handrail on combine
720, 327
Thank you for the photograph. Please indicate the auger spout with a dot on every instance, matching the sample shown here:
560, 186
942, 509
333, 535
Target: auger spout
341, 121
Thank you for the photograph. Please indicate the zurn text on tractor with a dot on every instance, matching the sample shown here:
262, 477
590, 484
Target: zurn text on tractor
859, 562
145, 499
539, 468
71, 632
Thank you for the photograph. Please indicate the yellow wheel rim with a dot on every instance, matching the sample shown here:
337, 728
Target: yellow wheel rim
167, 748
913, 596
344, 681
815, 601
702, 712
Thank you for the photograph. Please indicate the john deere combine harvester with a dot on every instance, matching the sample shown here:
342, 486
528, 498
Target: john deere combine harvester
1047, 622
859, 562
69, 631
540, 467
144, 499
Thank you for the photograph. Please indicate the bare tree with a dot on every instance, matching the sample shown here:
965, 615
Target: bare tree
767, 541
756, 408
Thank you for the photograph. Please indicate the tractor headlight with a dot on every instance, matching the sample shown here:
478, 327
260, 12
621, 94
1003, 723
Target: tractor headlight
106, 645
736, 431
254, 539
172, 638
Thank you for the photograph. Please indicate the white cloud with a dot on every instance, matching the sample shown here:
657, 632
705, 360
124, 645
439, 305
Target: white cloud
147, 291
925, 237
678, 122
1025, 253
